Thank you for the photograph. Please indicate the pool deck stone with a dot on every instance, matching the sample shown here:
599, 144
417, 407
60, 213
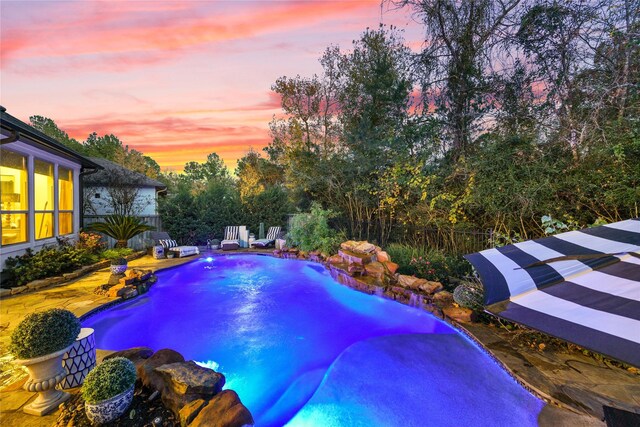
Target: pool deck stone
577, 385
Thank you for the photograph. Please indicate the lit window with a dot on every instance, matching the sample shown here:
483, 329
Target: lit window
65, 201
13, 197
43, 196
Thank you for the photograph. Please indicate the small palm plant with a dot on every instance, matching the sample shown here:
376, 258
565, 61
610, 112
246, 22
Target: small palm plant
121, 228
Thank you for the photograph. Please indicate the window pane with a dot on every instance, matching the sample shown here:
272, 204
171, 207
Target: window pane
43, 184
65, 189
14, 228
44, 225
13, 181
65, 223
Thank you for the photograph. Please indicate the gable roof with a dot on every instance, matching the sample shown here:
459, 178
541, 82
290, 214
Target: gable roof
17, 130
105, 177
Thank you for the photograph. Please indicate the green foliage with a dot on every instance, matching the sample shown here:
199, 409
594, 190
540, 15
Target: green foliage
469, 295
44, 333
554, 226
121, 228
90, 242
109, 379
427, 263
116, 253
311, 231
47, 262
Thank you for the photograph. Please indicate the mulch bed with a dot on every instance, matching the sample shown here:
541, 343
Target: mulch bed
142, 412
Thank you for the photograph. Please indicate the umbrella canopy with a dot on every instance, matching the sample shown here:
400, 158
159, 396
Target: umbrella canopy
581, 286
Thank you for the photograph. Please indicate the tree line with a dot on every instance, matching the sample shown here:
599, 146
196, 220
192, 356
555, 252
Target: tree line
510, 111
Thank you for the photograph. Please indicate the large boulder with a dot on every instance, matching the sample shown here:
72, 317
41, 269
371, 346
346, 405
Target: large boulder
375, 269
137, 354
223, 410
364, 248
417, 284
186, 381
442, 299
382, 256
430, 288
391, 267
190, 411
146, 370
354, 258
459, 314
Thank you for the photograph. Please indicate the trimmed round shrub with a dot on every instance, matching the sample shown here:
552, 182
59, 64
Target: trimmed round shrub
44, 333
469, 295
109, 379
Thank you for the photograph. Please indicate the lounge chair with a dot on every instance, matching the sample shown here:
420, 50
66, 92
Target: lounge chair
163, 238
231, 238
272, 235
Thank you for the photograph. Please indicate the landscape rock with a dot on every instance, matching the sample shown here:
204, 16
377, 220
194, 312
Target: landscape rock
18, 289
459, 314
186, 381
190, 411
224, 410
382, 256
354, 258
375, 269
442, 299
431, 287
115, 291
391, 267
410, 282
365, 248
38, 284
72, 275
137, 354
114, 279
5, 292
355, 270
146, 370
348, 245
334, 259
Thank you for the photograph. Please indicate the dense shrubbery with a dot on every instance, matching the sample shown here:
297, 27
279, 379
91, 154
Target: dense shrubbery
311, 232
44, 333
110, 378
57, 260
428, 263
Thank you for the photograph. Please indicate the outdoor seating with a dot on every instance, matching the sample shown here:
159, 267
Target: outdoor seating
231, 238
163, 239
270, 240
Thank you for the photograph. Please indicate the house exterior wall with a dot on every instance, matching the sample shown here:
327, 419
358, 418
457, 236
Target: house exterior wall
32, 154
99, 199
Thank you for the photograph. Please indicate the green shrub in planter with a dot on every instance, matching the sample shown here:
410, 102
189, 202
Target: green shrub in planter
109, 379
119, 261
44, 333
469, 295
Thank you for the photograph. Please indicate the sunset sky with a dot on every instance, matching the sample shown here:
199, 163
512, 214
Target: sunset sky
175, 80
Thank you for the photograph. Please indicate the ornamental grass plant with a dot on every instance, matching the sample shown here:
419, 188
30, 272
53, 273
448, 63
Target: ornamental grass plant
44, 333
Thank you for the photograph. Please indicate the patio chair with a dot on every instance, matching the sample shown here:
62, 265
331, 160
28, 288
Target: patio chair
163, 238
231, 238
272, 235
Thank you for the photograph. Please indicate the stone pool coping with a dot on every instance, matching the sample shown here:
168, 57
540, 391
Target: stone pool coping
571, 381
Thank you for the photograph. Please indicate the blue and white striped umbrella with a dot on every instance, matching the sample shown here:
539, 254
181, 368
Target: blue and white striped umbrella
581, 286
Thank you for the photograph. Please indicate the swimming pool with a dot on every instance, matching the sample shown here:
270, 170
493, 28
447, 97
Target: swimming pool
275, 328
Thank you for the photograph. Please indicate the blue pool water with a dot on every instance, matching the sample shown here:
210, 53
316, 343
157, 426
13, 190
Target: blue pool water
273, 327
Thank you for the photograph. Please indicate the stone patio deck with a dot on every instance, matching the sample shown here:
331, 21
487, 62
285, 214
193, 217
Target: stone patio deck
577, 385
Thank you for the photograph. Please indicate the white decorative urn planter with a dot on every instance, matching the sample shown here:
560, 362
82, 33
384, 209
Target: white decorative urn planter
44, 373
79, 360
108, 410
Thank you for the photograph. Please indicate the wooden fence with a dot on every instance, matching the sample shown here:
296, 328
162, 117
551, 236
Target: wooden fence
141, 241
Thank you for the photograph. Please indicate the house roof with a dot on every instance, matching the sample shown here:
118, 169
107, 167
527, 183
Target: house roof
20, 131
105, 177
